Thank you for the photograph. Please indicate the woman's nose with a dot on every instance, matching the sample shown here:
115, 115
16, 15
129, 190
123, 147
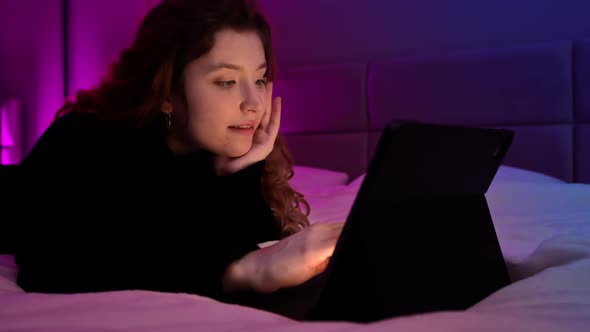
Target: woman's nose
251, 100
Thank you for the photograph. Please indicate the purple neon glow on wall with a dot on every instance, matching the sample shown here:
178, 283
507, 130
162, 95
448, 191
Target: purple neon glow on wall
10, 140
98, 32
6, 139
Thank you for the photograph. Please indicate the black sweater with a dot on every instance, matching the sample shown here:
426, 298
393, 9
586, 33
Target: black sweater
105, 207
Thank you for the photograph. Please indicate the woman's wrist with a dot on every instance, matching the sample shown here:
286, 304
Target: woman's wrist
247, 274
225, 168
235, 278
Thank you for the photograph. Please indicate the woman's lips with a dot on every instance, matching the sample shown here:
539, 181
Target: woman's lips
242, 129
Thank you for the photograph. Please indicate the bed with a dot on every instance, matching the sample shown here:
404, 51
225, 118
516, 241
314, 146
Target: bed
333, 114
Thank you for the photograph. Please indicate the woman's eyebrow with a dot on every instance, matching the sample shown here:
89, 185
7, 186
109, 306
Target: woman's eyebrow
225, 65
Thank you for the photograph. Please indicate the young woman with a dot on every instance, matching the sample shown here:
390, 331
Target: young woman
169, 173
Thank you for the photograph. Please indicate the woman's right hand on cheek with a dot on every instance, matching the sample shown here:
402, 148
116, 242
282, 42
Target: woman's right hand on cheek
287, 263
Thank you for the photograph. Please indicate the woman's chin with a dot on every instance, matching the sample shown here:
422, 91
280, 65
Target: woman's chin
238, 151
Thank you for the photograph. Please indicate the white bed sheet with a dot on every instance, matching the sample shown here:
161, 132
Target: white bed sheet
544, 229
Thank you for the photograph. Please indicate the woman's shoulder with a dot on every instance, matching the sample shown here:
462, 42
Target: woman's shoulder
77, 134
88, 126
75, 122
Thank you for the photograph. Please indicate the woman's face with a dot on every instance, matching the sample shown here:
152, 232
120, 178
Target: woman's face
225, 92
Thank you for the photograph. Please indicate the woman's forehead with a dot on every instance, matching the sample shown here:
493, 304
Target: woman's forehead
242, 49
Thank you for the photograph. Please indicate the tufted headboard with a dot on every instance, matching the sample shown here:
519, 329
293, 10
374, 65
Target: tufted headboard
333, 114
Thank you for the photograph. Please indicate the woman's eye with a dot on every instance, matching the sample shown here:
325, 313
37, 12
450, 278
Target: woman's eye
261, 81
225, 84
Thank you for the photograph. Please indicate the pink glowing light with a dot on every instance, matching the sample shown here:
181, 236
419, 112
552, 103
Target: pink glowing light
6, 140
9, 111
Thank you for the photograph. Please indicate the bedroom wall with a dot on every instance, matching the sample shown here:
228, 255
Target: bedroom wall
307, 32
98, 31
316, 32
31, 61
326, 31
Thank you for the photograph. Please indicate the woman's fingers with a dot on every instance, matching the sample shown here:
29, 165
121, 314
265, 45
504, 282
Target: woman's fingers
268, 111
326, 242
330, 231
275, 119
322, 266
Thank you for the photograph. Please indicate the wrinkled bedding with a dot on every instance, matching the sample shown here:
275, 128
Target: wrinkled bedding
543, 225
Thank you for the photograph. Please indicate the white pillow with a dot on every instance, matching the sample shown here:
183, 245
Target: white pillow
510, 173
356, 183
306, 177
504, 174
8, 271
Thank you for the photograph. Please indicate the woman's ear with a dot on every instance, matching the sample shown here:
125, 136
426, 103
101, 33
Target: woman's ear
166, 107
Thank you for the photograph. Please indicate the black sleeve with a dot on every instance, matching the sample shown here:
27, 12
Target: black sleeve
55, 206
244, 219
62, 252
34, 181
58, 142
50, 172
9, 175
244, 191
292, 302
247, 179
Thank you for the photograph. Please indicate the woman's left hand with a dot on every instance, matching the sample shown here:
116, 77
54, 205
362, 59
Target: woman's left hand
262, 142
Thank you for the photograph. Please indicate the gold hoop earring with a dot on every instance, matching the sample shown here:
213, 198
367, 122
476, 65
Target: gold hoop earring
168, 120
